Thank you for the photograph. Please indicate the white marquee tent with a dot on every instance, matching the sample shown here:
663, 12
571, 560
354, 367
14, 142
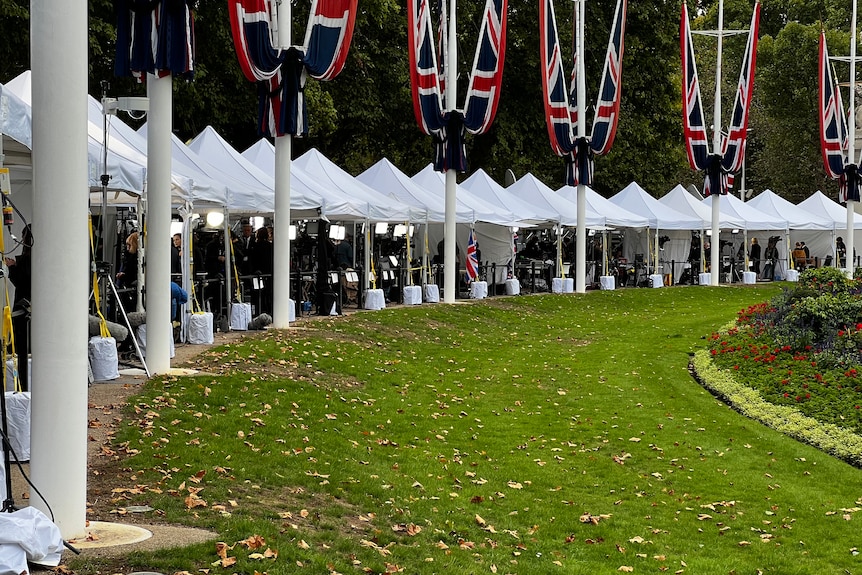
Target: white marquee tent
481, 185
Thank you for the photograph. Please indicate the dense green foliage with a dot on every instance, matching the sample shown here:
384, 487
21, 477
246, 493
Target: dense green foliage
366, 113
803, 348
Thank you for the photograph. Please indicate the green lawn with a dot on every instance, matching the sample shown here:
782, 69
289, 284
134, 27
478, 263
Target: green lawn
526, 435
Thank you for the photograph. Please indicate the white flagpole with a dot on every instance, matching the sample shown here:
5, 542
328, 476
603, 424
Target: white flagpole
58, 422
449, 269
158, 233
851, 154
281, 217
581, 242
716, 149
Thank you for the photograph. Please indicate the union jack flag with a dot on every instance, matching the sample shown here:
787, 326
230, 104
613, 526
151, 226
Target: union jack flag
155, 38
472, 261
608, 104
430, 95
561, 109
280, 73
834, 134
733, 145
717, 165
694, 125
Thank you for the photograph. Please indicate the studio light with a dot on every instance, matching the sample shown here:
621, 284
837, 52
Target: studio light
400, 230
291, 232
380, 228
336, 232
215, 219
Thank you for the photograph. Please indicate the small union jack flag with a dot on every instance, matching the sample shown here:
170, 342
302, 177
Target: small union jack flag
472, 262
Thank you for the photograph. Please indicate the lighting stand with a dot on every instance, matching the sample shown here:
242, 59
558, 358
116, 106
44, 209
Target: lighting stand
104, 272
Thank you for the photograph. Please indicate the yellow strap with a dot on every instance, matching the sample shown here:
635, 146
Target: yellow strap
427, 259
235, 271
8, 334
103, 323
196, 306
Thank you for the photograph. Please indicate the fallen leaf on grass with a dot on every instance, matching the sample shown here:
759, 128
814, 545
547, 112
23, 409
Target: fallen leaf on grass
382, 550
626, 569
594, 519
410, 528
193, 501
226, 562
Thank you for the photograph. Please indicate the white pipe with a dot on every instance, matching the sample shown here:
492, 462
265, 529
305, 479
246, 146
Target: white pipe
160, 92
581, 233
851, 154
715, 243
281, 217
450, 271
716, 149
58, 423
227, 243
367, 255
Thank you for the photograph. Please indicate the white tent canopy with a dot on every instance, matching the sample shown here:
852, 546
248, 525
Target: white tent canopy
16, 130
753, 219
377, 207
126, 166
481, 185
798, 218
483, 211
305, 198
683, 201
661, 217
615, 216
389, 180
530, 189
336, 203
818, 205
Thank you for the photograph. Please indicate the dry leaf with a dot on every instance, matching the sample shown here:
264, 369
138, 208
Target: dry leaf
626, 569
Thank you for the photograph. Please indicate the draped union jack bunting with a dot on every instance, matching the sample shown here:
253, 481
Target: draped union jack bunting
430, 93
561, 108
281, 74
716, 165
472, 262
834, 134
155, 37
694, 125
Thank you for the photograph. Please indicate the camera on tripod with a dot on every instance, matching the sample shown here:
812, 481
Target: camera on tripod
103, 268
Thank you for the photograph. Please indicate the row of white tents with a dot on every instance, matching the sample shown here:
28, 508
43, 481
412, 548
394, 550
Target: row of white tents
209, 174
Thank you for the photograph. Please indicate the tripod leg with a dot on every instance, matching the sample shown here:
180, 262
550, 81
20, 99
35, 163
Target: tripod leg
129, 325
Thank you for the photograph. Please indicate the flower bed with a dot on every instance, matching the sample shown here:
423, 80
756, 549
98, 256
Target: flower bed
799, 357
